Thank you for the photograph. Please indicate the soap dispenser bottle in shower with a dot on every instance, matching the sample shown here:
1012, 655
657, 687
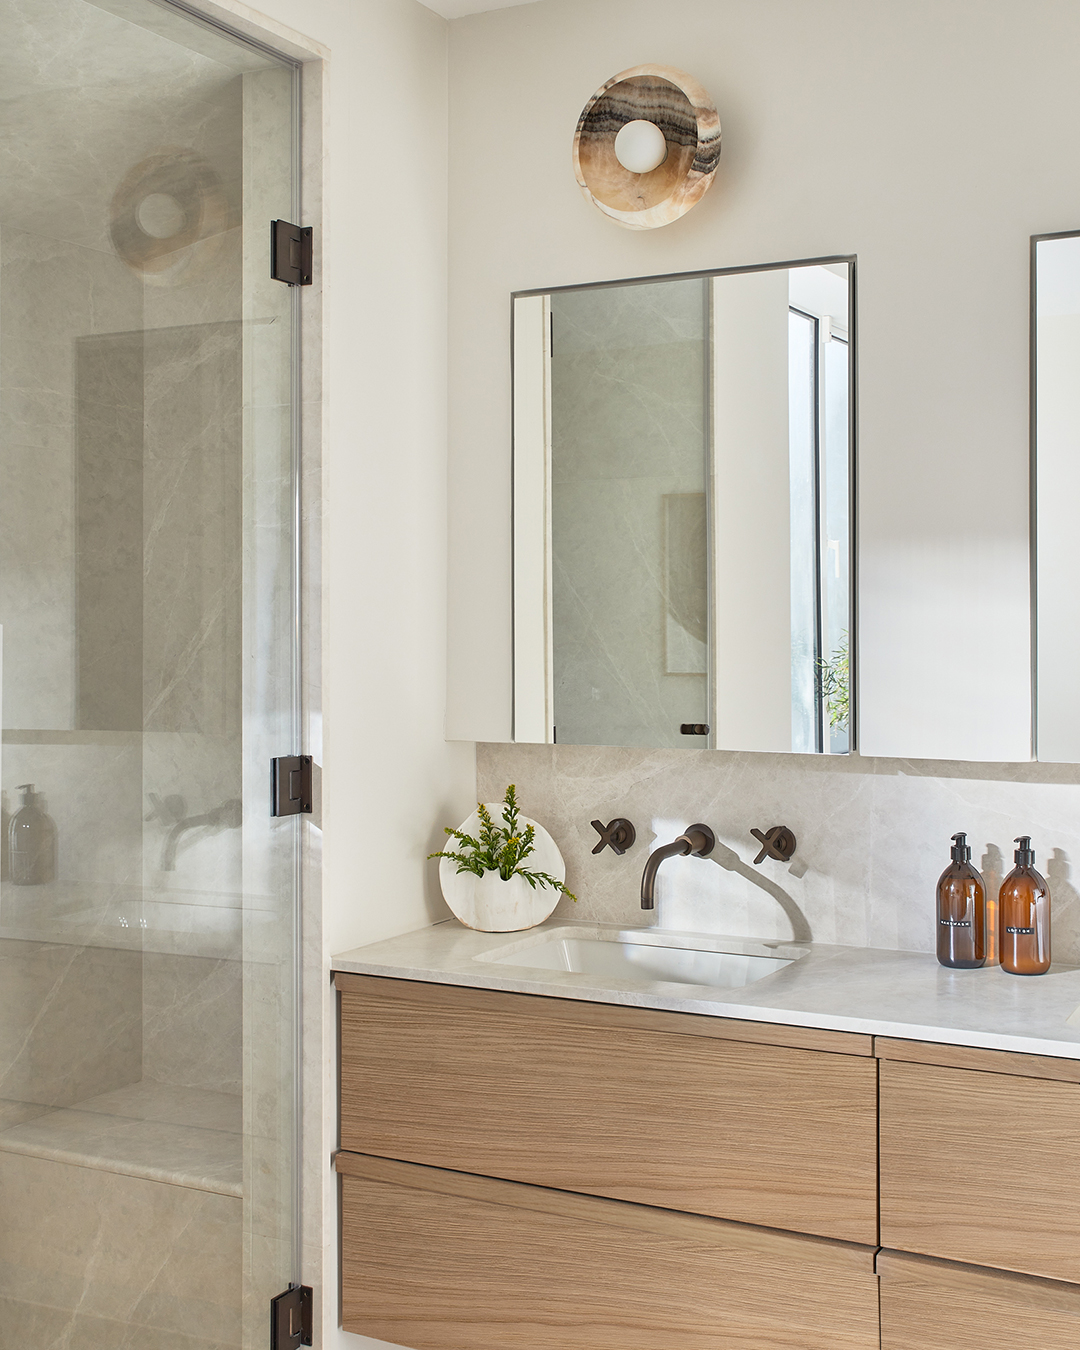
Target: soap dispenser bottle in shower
31, 842
1024, 916
961, 911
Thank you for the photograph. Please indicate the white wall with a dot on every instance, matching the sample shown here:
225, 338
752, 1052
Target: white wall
931, 138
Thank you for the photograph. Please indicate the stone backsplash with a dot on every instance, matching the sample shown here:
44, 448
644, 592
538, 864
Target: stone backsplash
873, 836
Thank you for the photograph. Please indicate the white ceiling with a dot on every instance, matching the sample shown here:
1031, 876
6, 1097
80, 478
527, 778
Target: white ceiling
457, 9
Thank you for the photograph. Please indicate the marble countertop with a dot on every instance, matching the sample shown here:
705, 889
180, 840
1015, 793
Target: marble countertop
861, 989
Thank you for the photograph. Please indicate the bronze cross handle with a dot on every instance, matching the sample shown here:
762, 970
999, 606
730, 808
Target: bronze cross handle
778, 843
617, 834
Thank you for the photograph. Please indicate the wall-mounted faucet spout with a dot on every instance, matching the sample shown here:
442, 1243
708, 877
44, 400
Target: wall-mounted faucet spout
698, 840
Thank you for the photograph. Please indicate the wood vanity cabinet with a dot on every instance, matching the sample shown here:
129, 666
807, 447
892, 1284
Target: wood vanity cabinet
746, 1121
557, 1175
942, 1305
980, 1157
440, 1260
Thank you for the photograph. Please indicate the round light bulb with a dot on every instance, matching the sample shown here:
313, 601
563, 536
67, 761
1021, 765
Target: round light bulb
640, 146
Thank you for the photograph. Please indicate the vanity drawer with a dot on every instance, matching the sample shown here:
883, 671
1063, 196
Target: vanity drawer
980, 1166
440, 1261
654, 1108
939, 1305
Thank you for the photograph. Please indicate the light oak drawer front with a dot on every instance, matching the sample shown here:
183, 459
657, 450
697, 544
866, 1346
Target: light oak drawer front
972, 1057
981, 1167
938, 1305
755, 1133
439, 1261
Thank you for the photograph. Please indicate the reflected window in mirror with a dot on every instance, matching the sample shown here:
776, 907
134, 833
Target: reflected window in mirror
682, 516
818, 397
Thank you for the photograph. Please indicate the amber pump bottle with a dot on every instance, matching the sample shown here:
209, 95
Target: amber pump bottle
961, 911
1024, 916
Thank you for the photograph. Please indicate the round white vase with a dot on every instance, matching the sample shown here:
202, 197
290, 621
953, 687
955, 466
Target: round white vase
488, 903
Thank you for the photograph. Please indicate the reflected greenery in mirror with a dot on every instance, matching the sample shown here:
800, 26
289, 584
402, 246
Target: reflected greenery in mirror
682, 511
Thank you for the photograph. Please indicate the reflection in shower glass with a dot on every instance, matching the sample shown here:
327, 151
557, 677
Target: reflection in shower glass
147, 1030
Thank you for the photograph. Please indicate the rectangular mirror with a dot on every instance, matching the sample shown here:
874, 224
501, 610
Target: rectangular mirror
1055, 415
683, 518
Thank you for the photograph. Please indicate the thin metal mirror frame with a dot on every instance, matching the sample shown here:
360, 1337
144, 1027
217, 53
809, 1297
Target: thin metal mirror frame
851, 260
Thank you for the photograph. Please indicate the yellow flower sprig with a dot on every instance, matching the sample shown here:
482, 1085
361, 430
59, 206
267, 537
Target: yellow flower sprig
500, 848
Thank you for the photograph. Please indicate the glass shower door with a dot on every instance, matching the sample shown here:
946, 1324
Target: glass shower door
148, 902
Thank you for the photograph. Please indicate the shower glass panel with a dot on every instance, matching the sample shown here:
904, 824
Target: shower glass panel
147, 595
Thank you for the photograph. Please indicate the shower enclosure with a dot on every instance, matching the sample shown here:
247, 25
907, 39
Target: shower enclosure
148, 929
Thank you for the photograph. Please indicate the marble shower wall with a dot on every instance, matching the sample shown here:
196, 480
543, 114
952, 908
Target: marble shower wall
71, 1024
92, 1259
145, 518
191, 1021
51, 292
873, 836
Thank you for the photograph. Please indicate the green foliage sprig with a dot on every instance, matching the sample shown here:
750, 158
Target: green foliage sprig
500, 848
835, 678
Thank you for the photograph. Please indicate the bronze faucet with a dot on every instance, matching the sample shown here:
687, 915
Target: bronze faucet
697, 841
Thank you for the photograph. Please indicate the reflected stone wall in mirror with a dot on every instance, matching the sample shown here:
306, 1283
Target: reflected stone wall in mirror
682, 520
628, 475
1056, 456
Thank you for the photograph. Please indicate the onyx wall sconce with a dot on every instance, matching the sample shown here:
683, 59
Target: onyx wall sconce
646, 146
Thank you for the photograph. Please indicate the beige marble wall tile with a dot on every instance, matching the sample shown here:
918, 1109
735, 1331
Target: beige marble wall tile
70, 1021
109, 416
191, 548
205, 1160
874, 836
36, 1327
91, 786
51, 292
191, 1021
80, 1247
83, 134
17, 1113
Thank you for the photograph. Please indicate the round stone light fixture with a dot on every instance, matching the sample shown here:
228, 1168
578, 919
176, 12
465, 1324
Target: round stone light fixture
620, 165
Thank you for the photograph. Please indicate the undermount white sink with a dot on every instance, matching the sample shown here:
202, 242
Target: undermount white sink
626, 959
